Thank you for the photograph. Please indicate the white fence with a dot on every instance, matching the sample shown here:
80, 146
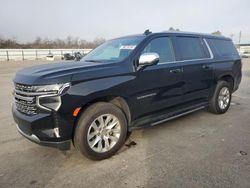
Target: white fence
34, 54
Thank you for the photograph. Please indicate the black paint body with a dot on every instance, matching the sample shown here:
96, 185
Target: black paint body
148, 92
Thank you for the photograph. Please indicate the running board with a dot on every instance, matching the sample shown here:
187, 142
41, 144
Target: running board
176, 116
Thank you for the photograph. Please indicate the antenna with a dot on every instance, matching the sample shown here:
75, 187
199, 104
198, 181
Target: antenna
147, 32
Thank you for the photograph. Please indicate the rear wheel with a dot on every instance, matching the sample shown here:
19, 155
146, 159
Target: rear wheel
100, 131
220, 102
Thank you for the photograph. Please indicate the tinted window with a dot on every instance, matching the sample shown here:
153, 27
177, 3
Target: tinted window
191, 48
163, 47
223, 47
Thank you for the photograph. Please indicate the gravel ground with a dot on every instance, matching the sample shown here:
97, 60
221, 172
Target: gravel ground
198, 150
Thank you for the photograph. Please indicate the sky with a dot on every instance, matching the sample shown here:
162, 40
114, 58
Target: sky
25, 20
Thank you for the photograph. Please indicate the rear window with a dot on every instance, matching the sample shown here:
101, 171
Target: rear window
191, 48
223, 47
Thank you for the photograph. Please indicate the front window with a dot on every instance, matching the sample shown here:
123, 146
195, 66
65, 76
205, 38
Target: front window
163, 47
114, 50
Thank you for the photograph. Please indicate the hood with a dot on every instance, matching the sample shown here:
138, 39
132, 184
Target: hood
61, 72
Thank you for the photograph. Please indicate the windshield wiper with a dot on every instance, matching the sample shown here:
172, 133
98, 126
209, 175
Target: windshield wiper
90, 60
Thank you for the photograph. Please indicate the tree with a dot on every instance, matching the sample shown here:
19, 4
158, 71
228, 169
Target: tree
173, 29
70, 42
218, 33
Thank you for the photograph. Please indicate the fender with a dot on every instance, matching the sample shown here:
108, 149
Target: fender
84, 92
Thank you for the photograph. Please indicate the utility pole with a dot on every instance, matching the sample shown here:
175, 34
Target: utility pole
239, 40
232, 36
79, 43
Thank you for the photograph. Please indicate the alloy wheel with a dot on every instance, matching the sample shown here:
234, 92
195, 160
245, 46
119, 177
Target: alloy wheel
224, 98
103, 133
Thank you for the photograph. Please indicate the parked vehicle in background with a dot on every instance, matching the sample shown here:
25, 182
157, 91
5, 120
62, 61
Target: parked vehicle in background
124, 84
50, 57
68, 56
77, 56
245, 55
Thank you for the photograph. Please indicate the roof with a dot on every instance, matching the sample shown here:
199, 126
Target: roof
180, 33
193, 34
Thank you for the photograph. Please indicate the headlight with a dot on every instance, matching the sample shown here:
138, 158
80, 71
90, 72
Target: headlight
50, 98
52, 89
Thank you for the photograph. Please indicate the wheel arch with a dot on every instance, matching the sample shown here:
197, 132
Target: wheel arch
228, 78
118, 101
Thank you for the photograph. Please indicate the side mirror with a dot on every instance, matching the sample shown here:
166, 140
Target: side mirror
147, 59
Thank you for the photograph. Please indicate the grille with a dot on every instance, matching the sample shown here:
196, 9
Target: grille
25, 99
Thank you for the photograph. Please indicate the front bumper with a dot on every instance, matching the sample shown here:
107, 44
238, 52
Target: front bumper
63, 145
40, 129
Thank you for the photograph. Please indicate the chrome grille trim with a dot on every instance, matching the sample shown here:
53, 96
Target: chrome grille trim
24, 102
35, 93
22, 87
30, 99
27, 97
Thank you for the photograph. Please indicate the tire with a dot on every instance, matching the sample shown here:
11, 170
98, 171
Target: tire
97, 120
220, 102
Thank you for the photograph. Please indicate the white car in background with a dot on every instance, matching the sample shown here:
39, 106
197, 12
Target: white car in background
244, 54
50, 57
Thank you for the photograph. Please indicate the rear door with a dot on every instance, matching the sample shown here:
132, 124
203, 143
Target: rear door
195, 58
158, 86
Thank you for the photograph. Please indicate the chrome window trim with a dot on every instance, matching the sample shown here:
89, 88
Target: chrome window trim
209, 49
188, 60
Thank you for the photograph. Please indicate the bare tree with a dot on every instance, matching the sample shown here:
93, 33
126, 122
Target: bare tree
217, 33
69, 42
173, 29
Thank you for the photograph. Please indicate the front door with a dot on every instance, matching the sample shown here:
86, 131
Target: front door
158, 86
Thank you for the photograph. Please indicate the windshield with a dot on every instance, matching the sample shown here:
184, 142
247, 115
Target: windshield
114, 50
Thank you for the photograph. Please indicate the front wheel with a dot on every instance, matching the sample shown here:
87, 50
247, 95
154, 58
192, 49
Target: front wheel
220, 102
100, 131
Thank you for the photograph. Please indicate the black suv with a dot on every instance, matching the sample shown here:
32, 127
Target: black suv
124, 84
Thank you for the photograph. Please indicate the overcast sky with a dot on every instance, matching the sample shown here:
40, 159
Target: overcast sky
88, 19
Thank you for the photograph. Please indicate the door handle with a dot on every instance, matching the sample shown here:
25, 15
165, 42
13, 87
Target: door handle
176, 70
205, 66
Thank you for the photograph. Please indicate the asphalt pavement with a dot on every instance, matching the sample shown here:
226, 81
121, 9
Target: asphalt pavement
197, 150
